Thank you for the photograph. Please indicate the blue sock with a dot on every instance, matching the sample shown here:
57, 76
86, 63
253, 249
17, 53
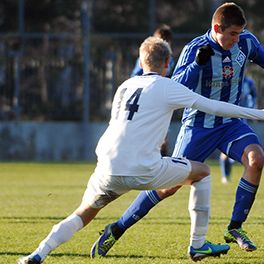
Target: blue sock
226, 166
245, 197
138, 209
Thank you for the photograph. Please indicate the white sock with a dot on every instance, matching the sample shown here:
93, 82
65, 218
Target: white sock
59, 234
199, 209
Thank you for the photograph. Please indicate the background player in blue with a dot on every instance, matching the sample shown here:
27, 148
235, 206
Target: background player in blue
212, 65
164, 32
247, 99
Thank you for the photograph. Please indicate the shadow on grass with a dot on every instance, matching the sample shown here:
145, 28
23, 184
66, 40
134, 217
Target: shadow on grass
53, 254
148, 220
234, 259
58, 255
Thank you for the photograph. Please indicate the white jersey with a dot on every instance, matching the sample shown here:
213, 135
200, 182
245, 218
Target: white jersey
140, 118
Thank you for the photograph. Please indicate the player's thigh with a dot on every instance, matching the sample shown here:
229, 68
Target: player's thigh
174, 171
103, 189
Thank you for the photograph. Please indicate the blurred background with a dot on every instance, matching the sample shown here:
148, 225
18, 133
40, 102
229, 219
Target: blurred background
61, 62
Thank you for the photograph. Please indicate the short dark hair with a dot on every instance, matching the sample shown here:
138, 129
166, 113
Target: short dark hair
164, 32
229, 14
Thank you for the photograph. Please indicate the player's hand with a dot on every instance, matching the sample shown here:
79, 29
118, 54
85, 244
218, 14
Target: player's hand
203, 54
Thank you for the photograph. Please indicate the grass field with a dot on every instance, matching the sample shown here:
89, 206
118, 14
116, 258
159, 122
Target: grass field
33, 197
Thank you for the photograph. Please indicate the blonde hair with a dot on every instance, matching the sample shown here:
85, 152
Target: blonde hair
154, 51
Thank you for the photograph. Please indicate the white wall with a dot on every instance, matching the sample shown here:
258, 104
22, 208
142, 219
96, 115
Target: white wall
63, 141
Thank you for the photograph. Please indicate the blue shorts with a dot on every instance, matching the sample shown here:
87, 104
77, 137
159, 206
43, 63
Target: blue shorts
196, 143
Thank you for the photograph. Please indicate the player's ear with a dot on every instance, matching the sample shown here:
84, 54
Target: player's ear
167, 62
140, 64
217, 28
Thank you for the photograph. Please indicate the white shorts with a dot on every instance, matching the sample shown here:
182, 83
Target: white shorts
102, 189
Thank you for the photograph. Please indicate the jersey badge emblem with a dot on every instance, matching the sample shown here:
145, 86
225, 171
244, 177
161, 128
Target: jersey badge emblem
228, 72
240, 59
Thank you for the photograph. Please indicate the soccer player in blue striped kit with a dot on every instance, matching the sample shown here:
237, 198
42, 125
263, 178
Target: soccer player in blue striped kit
212, 65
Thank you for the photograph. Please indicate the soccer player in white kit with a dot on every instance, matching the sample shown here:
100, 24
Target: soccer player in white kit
129, 150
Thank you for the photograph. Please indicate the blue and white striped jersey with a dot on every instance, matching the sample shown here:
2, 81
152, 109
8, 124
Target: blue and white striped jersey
221, 78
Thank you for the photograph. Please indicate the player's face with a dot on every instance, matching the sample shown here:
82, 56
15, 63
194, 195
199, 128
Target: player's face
228, 37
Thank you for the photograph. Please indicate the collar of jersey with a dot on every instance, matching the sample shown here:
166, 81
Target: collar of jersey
150, 73
212, 42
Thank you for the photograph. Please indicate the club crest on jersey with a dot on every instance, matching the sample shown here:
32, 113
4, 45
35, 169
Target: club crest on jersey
228, 72
240, 59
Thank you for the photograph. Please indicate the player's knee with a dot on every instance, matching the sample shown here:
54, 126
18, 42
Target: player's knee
205, 171
199, 171
256, 160
253, 157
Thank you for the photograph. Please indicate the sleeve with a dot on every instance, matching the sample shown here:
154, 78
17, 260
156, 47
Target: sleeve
224, 109
178, 95
187, 70
257, 50
259, 57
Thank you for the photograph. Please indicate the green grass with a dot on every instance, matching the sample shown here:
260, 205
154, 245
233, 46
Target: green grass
33, 197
